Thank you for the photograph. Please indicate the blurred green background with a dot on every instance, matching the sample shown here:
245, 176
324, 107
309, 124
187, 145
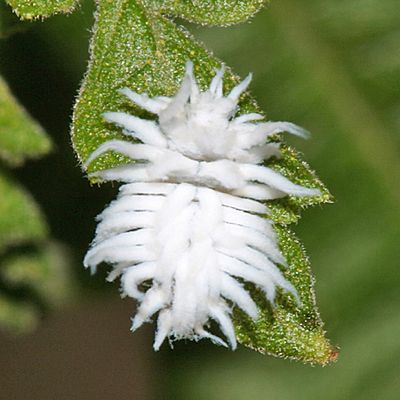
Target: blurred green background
331, 66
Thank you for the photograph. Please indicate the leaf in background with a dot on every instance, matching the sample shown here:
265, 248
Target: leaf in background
20, 218
135, 46
20, 136
43, 270
28, 9
17, 316
20, 222
33, 274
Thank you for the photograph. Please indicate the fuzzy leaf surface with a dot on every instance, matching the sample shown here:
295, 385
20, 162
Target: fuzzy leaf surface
31, 9
211, 12
135, 46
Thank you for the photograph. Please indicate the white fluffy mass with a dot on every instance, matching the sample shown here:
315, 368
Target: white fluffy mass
189, 226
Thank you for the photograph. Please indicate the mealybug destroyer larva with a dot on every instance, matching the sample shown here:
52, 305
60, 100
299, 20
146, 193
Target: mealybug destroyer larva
190, 215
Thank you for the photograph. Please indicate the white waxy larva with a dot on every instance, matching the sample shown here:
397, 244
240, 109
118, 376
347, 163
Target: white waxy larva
190, 216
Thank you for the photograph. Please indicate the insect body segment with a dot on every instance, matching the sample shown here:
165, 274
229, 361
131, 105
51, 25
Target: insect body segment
189, 217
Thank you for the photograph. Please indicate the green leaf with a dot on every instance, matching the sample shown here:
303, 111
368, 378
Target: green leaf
31, 9
20, 218
135, 46
20, 136
16, 316
287, 330
32, 271
20, 222
210, 12
43, 269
